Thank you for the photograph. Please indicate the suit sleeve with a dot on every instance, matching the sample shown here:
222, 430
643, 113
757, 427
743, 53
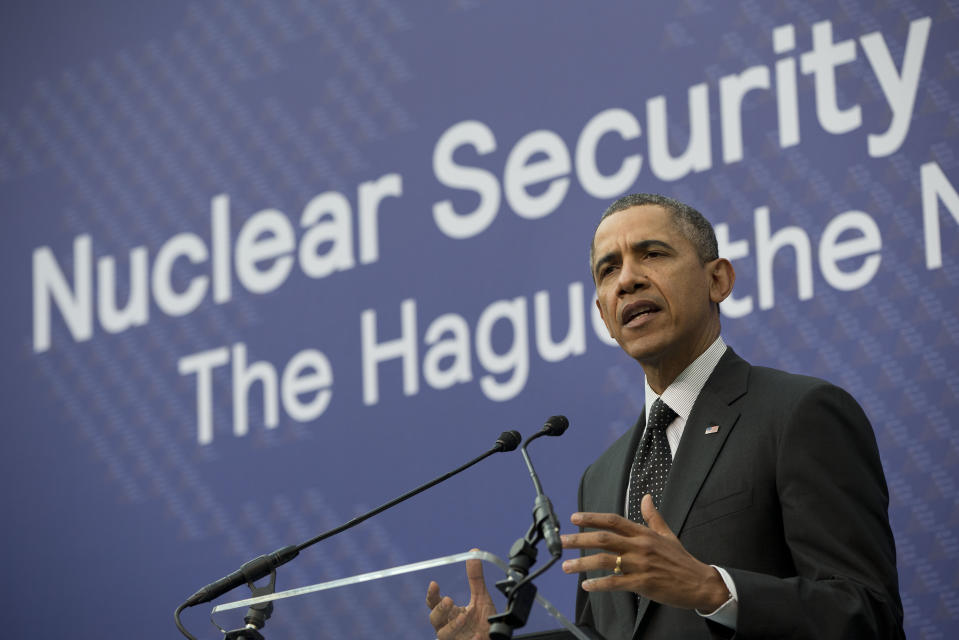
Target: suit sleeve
584, 615
834, 504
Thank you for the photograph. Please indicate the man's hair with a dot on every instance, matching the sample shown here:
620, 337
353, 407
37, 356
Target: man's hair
690, 222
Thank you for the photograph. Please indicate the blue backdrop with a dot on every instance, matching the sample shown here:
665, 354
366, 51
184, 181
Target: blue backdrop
267, 265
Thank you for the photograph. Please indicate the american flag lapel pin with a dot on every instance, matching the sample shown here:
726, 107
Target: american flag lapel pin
712, 429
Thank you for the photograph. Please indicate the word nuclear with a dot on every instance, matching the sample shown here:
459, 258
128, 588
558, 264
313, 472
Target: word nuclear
263, 256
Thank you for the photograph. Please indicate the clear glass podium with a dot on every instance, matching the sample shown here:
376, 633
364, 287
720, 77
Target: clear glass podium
390, 603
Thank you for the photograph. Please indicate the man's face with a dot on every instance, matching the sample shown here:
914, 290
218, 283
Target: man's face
653, 292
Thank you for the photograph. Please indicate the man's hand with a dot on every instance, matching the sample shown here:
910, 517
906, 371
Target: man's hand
654, 562
462, 623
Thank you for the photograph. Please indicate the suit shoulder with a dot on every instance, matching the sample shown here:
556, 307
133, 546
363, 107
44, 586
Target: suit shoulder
786, 393
784, 382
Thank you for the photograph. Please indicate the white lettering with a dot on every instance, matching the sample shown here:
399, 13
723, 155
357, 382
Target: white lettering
698, 154
266, 236
403, 347
307, 372
831, 250
521, 172
516, 358
456, 347
787, 94
450, 174
187, 245
49, 281
935, 188
732, 90
593, 182
220, 234
766, 248
899, 88
202, 364
136, 312
243, 378
371, 194
575, 341
822, 62
336, 229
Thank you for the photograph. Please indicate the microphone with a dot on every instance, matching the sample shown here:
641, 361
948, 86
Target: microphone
265, 564
249, 572
543, 513
509, 440
555, 426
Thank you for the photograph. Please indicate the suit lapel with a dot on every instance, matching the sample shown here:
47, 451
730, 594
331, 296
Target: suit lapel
615, 502
697, 448
624, 463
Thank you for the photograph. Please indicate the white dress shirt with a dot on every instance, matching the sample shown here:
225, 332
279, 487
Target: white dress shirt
680, 396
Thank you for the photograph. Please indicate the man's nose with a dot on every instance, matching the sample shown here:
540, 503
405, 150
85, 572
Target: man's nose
632, 277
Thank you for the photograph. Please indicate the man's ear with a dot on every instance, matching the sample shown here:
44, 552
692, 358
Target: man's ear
722, 277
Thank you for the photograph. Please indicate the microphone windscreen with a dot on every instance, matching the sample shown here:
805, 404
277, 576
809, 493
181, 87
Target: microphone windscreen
509, 440
556, 426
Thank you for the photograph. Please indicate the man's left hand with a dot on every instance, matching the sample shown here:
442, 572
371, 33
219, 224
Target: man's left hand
653, 561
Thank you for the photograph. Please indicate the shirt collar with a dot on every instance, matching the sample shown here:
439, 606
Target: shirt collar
681, 394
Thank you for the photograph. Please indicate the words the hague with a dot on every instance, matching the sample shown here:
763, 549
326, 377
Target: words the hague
266, 248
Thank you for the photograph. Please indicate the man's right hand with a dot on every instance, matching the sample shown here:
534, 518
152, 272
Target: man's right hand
462, 623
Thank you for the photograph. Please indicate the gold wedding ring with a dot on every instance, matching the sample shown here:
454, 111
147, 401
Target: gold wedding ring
618, 571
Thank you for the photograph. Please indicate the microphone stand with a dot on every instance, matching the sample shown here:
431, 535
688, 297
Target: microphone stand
260, 567
257, 615
518, 585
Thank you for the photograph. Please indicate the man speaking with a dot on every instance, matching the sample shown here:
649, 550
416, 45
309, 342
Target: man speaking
746, 502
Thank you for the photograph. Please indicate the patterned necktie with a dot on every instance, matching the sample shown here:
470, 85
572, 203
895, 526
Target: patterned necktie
653, 460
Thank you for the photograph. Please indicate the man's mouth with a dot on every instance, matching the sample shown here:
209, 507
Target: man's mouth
637, 311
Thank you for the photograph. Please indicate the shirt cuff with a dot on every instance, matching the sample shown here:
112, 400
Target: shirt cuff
728, 613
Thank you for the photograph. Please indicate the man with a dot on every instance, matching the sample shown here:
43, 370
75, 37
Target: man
753, 505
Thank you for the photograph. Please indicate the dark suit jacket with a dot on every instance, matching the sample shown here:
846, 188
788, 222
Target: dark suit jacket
788, 496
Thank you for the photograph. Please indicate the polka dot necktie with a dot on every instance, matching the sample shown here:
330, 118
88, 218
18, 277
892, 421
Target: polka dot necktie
653, 460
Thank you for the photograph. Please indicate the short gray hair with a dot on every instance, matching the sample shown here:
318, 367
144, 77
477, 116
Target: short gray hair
690, 222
